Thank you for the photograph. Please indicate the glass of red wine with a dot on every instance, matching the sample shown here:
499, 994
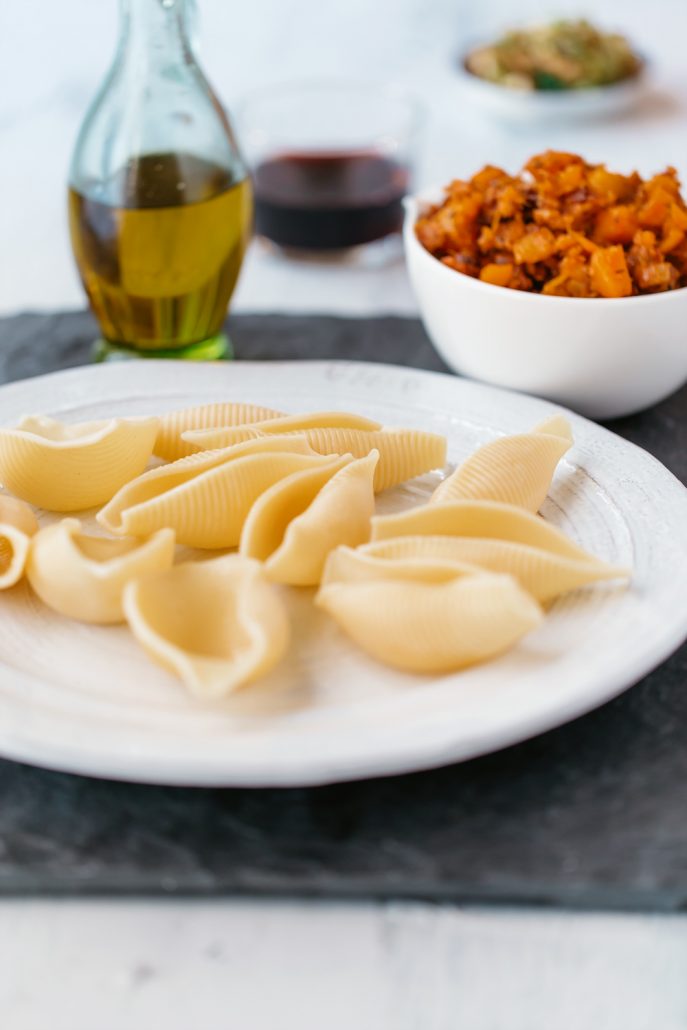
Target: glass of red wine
331, 163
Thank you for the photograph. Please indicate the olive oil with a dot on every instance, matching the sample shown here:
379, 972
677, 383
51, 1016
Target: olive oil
159, 248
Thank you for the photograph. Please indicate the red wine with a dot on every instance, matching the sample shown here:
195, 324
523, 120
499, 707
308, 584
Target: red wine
326, 201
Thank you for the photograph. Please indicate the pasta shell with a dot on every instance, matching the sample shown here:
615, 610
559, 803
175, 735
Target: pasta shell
71, 467
542, 573
403, 453
216, 624
83, 576
513, 469
17, 525
206, 497
169, 444
432, 627
487, 519
232, 434
353, 565
14, 512
298, 521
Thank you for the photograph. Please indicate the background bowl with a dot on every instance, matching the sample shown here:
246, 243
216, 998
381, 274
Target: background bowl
522, 105
603, 358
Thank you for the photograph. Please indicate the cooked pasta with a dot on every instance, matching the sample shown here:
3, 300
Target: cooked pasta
294, 525
495, 536
206, 497
83, 576
403, 453
237, 433
355, 564
451, 582
513, 469
17, 525
432, 627
544, 574
64, 467
488, 519
170, 446
215, 624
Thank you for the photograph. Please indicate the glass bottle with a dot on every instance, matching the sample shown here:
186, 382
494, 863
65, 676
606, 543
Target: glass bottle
160, 203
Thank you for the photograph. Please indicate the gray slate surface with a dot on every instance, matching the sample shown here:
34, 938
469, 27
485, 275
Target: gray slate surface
593, 814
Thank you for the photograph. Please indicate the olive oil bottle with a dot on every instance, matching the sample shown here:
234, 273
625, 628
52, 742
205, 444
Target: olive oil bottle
160, 204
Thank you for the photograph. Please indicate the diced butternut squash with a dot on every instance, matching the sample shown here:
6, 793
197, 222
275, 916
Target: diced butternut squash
497, 275
678, 216
537, 245
609, 272
563, 227
653, 214
608, 184
672, 239
616, 224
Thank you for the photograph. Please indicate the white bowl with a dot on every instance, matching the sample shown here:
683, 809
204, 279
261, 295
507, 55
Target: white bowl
603, 358
526, 105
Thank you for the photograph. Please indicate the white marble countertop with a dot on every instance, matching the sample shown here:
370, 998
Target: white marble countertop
270, 965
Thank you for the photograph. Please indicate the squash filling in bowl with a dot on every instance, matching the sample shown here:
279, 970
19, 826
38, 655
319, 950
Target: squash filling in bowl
563, 227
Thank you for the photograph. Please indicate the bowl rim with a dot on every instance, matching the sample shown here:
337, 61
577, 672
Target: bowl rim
412, 204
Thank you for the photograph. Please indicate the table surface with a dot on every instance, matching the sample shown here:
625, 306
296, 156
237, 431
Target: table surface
559, 820
379, 965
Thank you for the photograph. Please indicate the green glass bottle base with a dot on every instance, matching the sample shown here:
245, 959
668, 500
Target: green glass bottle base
215, 348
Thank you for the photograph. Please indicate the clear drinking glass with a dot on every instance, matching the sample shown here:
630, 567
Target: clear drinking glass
331, 162
160, 203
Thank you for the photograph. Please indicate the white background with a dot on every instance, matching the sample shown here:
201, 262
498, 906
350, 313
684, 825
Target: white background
97, 965
54, 54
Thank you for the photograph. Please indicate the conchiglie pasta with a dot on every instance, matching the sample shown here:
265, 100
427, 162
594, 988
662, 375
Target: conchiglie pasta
457, 580
170, 446
403, 453
294, 525
236, 433
544, 574
353, 565
432, 627
71, 467
83, 576
488, 519
215, 624
513, 469
206, 497
14, 512
17, 525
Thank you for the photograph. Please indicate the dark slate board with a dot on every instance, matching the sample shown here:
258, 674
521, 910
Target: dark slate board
593, 814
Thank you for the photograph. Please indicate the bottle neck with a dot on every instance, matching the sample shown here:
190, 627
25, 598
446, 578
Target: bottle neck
154, 32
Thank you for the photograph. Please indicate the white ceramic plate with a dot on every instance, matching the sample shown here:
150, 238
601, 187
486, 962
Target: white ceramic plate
86, 699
